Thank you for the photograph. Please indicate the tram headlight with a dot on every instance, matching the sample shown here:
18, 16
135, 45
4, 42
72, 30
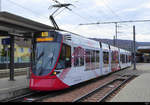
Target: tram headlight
55, 72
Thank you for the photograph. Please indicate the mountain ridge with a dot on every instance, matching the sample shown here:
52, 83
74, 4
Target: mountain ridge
124, 44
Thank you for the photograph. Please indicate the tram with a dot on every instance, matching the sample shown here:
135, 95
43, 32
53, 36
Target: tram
64, 59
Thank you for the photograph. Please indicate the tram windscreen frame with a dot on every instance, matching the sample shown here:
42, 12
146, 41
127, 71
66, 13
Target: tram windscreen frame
46, 54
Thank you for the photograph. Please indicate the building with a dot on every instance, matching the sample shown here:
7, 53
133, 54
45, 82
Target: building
22, 52
143, 54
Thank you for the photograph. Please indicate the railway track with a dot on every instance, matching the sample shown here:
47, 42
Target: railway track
101, 93
33, 97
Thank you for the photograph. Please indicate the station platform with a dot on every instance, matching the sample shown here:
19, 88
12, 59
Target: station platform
138, 90
9, 89
20, 71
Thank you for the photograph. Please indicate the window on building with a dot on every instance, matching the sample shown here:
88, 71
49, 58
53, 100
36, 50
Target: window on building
21, 50
29, 50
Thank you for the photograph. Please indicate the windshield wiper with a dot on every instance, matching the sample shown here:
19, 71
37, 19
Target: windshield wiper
42, 54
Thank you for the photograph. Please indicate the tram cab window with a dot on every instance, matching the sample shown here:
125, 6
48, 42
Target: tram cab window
65, 58
106, 58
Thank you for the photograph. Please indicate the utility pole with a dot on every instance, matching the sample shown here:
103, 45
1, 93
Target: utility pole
0, 5
114, 41
116, 34
134, 48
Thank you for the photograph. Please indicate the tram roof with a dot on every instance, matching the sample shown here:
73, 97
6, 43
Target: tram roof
12, 23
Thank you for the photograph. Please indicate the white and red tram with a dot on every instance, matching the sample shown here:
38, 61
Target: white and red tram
64, 59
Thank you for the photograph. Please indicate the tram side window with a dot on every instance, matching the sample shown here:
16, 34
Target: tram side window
122, 58
113, 57
129, 57
126, 58
76, 57
81, 58
117, 57
68, 56
97, 59
65, 58
88, 60
93, 60
106, 58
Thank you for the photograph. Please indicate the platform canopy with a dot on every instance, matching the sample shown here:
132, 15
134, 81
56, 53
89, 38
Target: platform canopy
13, 24
144, 49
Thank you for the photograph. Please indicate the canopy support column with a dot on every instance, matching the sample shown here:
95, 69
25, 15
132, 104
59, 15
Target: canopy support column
11, 58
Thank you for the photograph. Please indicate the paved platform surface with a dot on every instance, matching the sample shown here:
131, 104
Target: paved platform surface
138, 90
20, 71
10, 89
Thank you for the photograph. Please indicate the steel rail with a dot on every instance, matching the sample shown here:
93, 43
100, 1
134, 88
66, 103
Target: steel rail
19, 97
115, 89
45, 96
34, 97
94, 91
101, 87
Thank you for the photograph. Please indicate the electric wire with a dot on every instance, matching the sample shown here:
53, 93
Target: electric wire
30, 10
111, 10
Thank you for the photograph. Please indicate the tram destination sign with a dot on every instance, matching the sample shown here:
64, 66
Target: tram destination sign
6, 41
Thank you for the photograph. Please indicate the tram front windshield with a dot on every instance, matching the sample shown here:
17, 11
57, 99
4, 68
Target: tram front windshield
46, 55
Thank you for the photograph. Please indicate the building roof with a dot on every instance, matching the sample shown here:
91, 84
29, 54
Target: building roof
16, 24
144, 49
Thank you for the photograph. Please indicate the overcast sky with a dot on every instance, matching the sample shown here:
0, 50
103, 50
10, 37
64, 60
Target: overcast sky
89, 11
